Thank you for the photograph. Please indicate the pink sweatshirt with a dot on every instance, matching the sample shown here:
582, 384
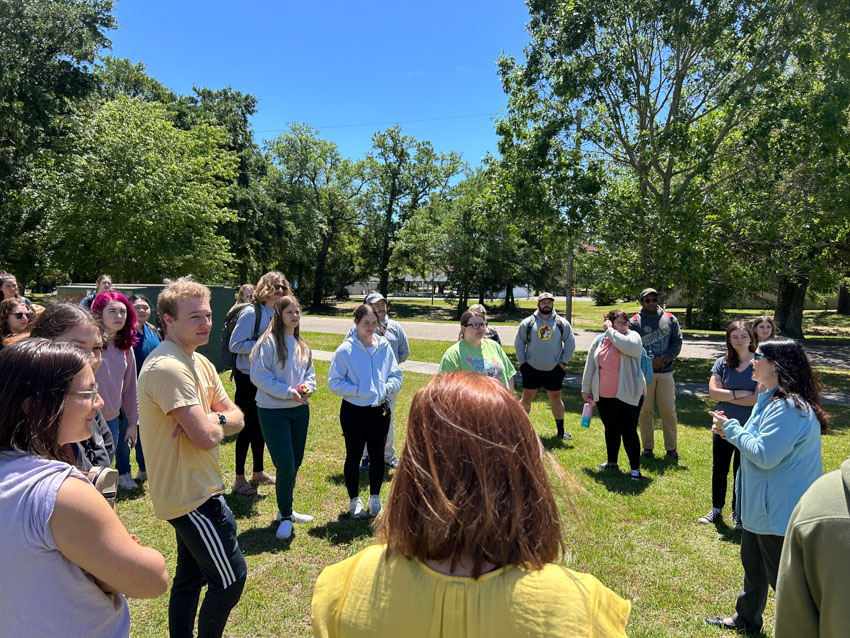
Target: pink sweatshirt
609, 369
116, 383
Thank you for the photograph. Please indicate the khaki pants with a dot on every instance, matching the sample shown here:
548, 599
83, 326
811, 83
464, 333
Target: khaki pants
661, 391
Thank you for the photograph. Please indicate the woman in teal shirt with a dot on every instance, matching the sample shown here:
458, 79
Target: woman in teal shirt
477, 354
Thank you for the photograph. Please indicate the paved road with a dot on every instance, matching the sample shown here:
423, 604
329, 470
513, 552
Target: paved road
823, 353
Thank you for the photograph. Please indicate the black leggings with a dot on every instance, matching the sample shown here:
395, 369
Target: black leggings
620, 420
362, 425
251, 434
722, 453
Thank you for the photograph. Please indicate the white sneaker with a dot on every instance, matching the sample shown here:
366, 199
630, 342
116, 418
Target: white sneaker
141, 476
296, 517
126, 482
355, 508
284, 530
374, 506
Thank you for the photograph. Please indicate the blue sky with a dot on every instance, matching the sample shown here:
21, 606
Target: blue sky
338, 64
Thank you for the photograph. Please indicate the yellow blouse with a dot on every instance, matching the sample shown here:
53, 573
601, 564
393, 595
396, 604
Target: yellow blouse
367, 595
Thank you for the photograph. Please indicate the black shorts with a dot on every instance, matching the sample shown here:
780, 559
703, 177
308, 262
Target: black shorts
551, 380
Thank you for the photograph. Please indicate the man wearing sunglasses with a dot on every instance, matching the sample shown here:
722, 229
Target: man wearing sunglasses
662, 339
544, 346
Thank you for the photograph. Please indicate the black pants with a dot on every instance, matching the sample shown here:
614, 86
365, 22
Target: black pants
361, 425
246, 398
207, 554
722, 453
620, 420
760, 557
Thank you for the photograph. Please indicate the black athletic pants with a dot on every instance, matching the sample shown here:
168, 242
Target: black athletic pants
722, 454
620, 420
361, 425
207, 554
246, 398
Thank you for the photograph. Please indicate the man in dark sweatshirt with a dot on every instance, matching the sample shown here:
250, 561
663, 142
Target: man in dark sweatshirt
662, 339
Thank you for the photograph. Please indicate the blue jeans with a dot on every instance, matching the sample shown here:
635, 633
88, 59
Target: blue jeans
121, 451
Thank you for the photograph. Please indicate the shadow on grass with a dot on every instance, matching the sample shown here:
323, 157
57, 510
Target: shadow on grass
243, 506
617, 481
130, 495
339, 478
727, 534
344, 530
662, 464
261, 540
556, 443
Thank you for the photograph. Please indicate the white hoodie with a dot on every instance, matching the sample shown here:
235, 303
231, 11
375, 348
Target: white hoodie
361, 378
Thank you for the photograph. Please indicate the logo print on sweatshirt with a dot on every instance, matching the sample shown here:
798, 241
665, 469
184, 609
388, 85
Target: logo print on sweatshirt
488, 367
544, 333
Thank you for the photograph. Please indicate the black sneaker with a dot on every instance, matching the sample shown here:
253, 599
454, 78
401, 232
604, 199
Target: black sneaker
635, 475
566, 436
673, 454
647, 453
608, 466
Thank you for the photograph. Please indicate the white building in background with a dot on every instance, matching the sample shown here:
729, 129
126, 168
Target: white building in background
413, 286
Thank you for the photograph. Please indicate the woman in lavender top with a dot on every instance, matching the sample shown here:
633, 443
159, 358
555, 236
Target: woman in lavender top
72, 559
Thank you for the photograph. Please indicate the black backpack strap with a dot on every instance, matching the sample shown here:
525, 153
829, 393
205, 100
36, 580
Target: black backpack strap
258, 314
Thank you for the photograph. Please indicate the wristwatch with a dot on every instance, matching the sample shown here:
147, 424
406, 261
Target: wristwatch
222, 420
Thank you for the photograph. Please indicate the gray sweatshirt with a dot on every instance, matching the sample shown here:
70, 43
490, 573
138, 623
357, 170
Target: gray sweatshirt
547, 346
242, 339
660, 334
276, 384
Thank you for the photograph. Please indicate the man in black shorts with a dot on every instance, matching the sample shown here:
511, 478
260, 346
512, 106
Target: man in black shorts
544, 345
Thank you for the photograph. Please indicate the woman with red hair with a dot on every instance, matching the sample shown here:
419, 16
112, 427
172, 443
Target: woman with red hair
116, 378
470, 534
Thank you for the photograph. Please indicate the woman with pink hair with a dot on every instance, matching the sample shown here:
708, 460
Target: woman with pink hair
116, 378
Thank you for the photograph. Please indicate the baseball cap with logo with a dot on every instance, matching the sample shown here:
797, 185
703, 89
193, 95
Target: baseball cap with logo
545, 295
372, 297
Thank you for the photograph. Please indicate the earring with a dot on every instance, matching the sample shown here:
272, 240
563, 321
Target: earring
773, 374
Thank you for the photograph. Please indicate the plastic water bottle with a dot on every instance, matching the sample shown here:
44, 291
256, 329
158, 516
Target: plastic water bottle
586, 413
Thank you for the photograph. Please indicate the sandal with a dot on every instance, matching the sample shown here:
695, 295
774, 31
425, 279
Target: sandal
264, 478
244, 489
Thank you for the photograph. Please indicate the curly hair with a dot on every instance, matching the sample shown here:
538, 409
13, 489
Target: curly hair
795, 376
7, 307
125, 338
265, 287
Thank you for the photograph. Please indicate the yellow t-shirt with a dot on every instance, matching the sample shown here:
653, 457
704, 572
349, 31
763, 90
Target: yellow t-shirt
181, 476
367, 595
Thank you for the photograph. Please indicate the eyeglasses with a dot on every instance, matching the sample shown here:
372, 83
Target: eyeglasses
279, 287
92, 394
21, 315
476, 326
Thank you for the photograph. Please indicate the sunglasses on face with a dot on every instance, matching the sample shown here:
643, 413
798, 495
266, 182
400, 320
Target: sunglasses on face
279, 287
21, 315
759, 355
650, 299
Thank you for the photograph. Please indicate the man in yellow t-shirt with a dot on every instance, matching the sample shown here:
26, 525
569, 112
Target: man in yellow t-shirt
186, 413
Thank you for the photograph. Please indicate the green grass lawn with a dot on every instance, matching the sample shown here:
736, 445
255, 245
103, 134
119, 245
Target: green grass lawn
640, 539
587, 315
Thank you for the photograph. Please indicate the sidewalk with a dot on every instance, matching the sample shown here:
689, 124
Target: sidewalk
574, 380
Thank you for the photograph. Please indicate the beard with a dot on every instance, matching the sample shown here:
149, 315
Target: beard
545, 311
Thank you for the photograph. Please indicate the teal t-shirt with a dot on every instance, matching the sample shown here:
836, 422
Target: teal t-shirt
489, 359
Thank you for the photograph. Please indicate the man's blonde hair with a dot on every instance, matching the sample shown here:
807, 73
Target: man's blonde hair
174, 292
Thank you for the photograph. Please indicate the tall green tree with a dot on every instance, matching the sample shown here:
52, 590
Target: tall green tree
46, 52
404, 173
135, 196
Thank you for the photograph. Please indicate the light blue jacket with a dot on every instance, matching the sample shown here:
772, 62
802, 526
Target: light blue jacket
780, 458
242, 338
394, 333
276, 384
361, 378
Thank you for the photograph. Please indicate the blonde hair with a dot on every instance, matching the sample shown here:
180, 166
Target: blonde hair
175, 291
245, 290
265, 287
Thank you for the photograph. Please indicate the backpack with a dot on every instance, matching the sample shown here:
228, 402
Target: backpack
228, 358
560, 322
645, 363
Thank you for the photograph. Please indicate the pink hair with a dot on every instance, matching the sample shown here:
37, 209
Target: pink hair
126, 337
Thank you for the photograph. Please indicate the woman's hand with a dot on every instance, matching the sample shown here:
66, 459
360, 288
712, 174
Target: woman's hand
132, 435
588, 398
718, 420
607, 324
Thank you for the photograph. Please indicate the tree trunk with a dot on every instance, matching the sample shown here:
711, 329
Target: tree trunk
568, 309
481, 296
843, 301
319, 277
790, 297
689, 316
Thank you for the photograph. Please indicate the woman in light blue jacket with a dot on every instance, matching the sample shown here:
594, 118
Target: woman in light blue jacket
282, 370
780, 458
364, 372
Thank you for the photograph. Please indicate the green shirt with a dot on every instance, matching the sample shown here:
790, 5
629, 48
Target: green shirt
489, 359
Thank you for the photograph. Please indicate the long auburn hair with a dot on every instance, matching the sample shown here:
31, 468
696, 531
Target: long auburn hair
125, 338
471, 480
732, 359
35, 377
795, 376
277, 331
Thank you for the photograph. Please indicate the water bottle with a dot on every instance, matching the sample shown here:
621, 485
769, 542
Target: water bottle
586, 413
